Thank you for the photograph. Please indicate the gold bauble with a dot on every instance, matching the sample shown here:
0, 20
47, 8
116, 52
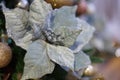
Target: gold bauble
5, 55
3, 38
81, 5
98, 77
89, 71
60, 3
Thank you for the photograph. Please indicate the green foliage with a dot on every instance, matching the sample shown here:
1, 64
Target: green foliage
1, 74
18, 57
96, 59
89, 52
0, 21
93, 57
14, 76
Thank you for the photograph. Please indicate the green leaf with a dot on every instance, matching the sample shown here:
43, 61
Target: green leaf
14, 76
89, 52
37, 62
96, 59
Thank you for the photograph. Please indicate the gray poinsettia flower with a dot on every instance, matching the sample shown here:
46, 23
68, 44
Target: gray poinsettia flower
61, 31
49, 36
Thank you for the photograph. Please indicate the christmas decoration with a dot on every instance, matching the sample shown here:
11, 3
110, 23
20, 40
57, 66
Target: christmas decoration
3, 38
68, 30
117, 53
22, 30
48, 45
89, 71
5, 50
98, 77
81, 5
14, 70
5, 55
60, 3
11, 62
81, 8
23, 4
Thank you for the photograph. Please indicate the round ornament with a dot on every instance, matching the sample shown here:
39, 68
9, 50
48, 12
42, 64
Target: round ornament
5, 55
89, 71
81, 8
60, 3
81, 5
98, 77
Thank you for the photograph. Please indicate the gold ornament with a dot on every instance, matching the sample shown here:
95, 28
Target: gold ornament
54, 3
5, 55
98, 77
89, 71
4, 38
60, 3
81, 5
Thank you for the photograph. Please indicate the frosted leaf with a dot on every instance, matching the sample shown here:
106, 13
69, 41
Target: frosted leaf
61, 55
41, 56
69, 35
37, 61
64, 23
39, 10
16, 21
84, 37
81, 61
16, 24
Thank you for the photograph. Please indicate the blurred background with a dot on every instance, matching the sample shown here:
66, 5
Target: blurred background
105, 45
